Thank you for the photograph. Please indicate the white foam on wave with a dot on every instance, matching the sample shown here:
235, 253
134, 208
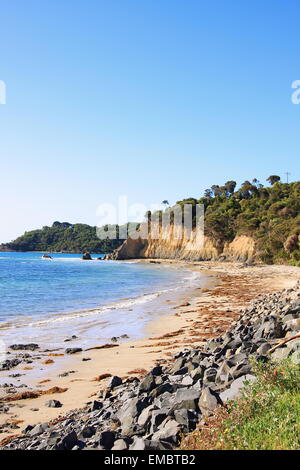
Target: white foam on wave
187, 281
66, 316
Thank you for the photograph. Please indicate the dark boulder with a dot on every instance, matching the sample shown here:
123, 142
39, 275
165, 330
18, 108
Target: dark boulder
87, 432
107, 439
24, 347
157, 370
86, 256
186, 418
9, 364
187, 399
38, 429
161, 389
210, 375
169, 432
115, 381
147, 384
208, 401
68, 442
53, 404
73, 350
158, 416
96, 405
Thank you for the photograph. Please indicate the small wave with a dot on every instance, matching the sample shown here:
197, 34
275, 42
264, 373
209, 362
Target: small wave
67, 259
193, 276
189, 279
125, 304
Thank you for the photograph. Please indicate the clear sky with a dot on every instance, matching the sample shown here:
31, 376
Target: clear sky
153, 99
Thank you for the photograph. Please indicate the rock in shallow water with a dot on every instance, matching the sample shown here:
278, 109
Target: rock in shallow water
86, 256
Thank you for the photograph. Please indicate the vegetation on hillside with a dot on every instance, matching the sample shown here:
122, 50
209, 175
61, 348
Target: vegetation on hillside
266, 417
65, 237
271, 215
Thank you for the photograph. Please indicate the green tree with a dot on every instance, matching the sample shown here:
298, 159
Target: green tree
230, 187
273, 179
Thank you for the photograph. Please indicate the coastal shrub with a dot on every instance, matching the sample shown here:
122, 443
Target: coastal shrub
265, 417
270, 215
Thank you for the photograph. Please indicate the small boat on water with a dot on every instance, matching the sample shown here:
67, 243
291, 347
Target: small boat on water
47, 257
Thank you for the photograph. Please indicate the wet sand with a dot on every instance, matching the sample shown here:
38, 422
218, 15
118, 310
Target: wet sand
200, 314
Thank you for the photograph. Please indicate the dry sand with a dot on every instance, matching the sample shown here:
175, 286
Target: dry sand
203, 313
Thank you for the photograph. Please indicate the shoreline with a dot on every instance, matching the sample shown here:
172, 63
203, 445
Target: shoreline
195, 317
51, 329
54, 252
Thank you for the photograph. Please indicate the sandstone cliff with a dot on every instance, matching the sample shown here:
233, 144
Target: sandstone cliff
168, 246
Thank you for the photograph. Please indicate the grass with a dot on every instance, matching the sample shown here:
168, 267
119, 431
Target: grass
266, 417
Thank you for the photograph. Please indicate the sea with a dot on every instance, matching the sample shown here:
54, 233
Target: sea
49, 301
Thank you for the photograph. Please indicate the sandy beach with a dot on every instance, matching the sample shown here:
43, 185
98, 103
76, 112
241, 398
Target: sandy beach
191, 319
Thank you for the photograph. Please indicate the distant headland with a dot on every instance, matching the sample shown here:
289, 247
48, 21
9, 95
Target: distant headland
62, 237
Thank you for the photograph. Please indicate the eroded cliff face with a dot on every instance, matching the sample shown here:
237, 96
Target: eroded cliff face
168, 245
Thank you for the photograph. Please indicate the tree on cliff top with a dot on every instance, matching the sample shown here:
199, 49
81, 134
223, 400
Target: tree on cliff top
273, 179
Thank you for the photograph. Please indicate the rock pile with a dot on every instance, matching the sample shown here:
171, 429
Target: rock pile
18, 357
152, 412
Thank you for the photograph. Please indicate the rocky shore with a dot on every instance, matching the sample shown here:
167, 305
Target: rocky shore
155, 410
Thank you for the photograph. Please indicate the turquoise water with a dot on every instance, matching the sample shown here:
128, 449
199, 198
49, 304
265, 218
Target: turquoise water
67, 295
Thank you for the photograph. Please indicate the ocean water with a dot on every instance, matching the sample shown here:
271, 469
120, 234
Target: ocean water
49, 300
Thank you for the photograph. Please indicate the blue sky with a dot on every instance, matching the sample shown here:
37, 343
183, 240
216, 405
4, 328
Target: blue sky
144, 98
